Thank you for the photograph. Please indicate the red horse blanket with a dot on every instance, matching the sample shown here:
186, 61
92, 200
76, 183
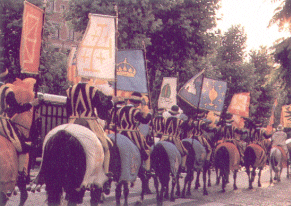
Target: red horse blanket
284, 155
8, 165
234, 157
261, 157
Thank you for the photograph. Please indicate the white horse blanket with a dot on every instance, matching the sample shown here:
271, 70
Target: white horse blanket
94, 174
129, 155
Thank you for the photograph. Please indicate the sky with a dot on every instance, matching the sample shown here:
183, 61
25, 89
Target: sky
254, 16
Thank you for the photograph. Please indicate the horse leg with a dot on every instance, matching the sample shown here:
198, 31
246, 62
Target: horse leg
271, 175
166, 196
209, 177
191, 178
126, 193
224, 179
54, 194
288, 164
3, 198
218, 174
197, 184
156, 183
204, 182
21, 183
174, 180
234, 179
118, 193
249, 176
259, 177
95, 195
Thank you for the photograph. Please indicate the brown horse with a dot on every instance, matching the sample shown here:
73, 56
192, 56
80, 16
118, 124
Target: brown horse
23, 91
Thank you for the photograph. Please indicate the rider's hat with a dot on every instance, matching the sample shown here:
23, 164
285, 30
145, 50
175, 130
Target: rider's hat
174, 110
135, 97
280, 127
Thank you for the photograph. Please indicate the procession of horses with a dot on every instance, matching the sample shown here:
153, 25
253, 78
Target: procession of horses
72, 159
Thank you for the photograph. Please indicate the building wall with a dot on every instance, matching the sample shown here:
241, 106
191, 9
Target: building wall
62, 36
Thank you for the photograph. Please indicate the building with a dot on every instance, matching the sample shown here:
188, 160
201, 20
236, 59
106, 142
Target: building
62, 36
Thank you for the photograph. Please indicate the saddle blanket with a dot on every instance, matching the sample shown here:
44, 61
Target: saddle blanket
234, 157
94, 174
284, 156
173, 154
261, 157
129, 155
200, 152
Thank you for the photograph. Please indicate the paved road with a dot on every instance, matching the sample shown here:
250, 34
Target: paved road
278, 193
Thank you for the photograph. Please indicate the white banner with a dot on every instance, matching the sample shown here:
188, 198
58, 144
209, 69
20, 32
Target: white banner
96, 53
168, 93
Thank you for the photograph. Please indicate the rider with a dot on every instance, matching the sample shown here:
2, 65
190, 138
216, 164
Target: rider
172, 131
129, 118
279, 139
85, 104
9, 107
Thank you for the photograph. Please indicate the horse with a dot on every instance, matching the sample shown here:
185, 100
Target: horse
227, 159
165, 161
125, 162
23, 90
72, 161
277, 163
195, 162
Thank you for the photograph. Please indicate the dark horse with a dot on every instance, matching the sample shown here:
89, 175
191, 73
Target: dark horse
165, 161
195, 162
125, 162
73, 162
227, 158
277, 163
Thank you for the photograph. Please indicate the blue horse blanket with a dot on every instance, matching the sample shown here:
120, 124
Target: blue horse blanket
200, 152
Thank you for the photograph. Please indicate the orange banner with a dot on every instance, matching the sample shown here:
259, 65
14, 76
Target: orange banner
72, 69
31, 38
240, 104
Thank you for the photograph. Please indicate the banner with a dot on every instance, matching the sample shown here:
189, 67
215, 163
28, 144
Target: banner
191, 91
168, 93
272, 118
238, 122
96, 52
240, 104
212, 95
286, 116
72, 69
31, 38
131, 72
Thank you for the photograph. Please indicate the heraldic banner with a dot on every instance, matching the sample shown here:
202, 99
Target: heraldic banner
272, 118
239, 107
131, 72
191, 91
96, 52
168, 93
72, 69
212, 95
286, 116
31, 38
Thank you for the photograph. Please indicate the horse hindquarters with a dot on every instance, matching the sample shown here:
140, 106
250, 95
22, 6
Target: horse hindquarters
249, 161
161, 165
64, 166
222, 163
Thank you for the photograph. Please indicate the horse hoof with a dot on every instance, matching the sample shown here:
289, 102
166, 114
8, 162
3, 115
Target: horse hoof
188, 194
259, 185
205, 193
209, 185
235, 187
138, 203
178, 194
172, 199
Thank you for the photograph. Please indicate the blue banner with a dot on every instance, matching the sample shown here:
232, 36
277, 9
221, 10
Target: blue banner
191, 91
213, 95
131, 72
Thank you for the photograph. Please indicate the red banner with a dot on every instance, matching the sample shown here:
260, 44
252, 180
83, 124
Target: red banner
31, 38
240, 104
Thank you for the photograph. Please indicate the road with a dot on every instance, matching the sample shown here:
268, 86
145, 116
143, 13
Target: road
274, 194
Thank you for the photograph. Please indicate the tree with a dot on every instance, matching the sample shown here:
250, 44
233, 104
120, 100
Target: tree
177, 33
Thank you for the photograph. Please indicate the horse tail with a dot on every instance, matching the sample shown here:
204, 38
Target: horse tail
160, 162
275, 158
191, 155
222, 158
249, 156
64, 163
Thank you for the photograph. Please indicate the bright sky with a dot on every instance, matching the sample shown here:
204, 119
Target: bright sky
254, 16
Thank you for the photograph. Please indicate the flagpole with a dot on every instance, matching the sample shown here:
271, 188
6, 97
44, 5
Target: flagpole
115, 73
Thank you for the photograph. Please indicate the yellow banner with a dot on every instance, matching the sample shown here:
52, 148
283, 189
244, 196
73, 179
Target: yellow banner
31, 38
286, 116
96, 52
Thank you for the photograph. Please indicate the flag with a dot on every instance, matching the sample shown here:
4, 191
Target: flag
238, 122
96, 52
240, 104
31, 38
191, 91
131, 72
168, 93
272, 118
212, 95
286, 116
72, 69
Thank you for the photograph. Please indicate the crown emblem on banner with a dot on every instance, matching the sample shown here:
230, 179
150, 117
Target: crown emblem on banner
125, 69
